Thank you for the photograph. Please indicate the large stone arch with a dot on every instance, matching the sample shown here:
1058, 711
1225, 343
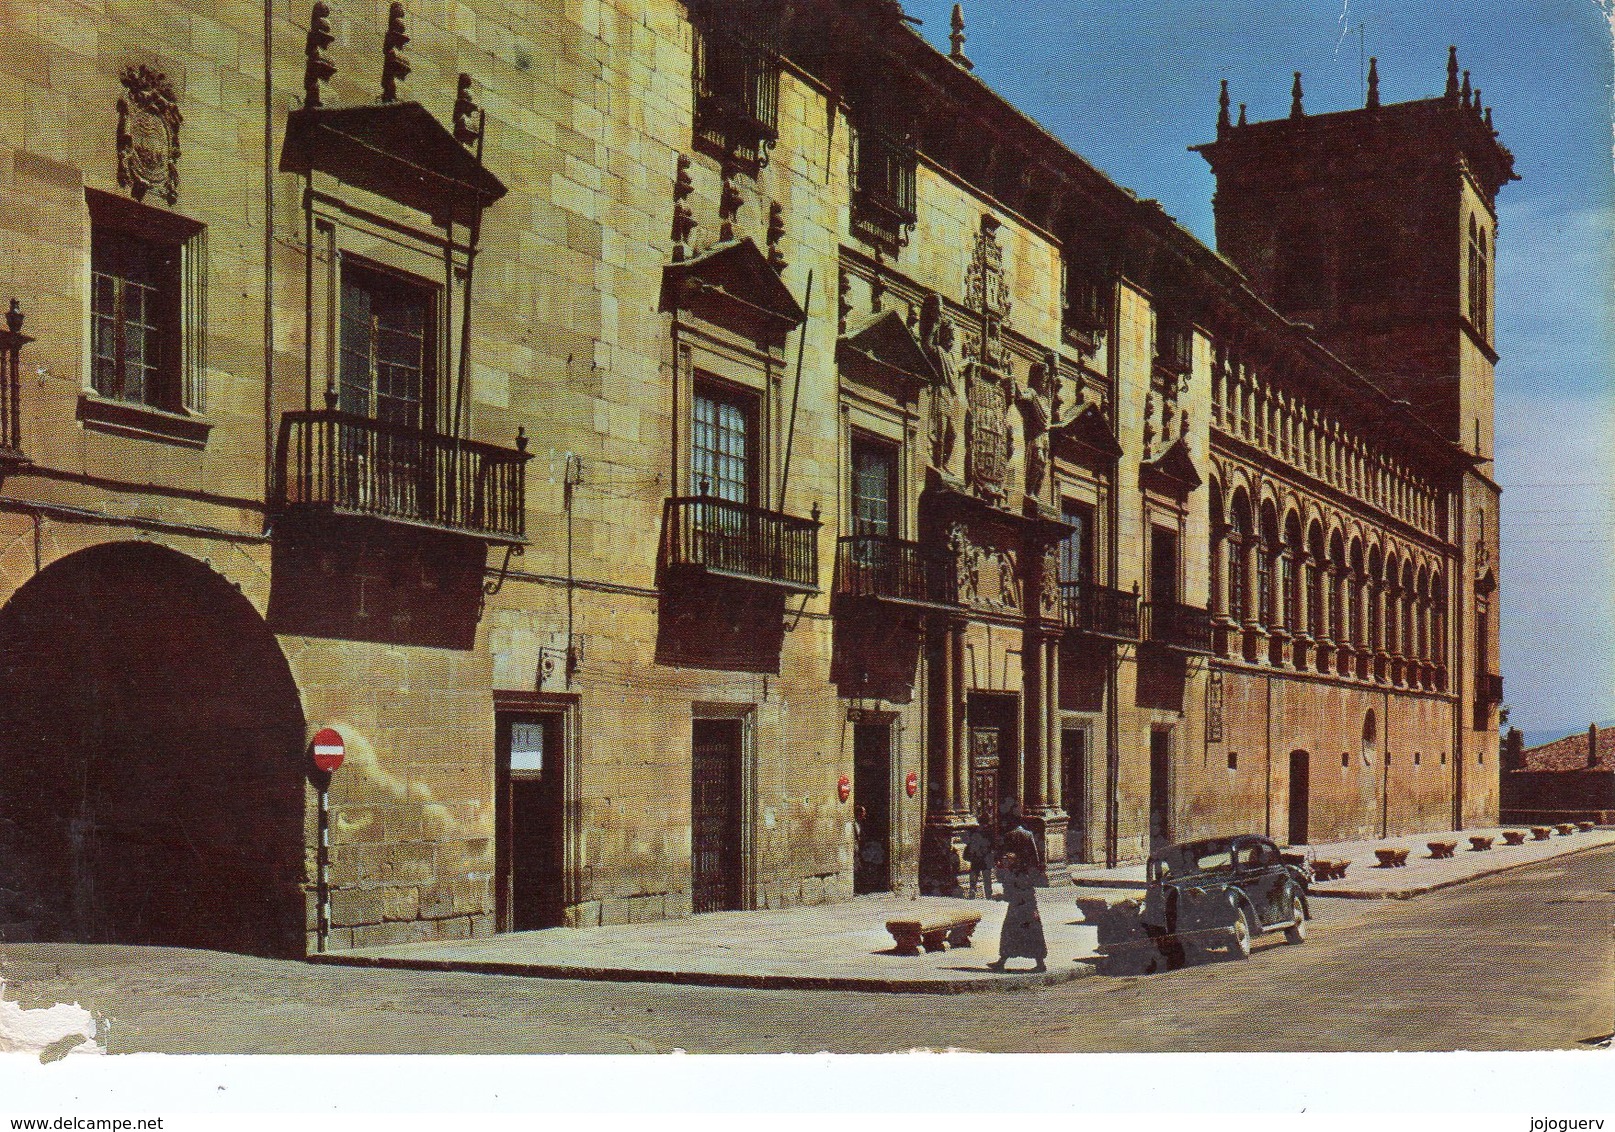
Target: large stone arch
151, 774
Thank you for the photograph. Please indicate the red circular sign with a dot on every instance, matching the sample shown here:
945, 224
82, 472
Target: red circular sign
912, 784
844, 788
328, 749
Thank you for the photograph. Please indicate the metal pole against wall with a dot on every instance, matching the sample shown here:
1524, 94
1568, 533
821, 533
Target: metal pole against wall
322, 871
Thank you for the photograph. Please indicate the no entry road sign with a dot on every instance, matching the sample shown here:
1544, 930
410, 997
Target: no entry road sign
328, 750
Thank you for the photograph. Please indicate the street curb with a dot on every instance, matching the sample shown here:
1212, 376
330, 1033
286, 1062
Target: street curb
1007, 982
1372, 894
1410, 893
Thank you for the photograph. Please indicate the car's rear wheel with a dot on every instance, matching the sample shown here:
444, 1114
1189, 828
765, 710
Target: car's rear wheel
1239, 936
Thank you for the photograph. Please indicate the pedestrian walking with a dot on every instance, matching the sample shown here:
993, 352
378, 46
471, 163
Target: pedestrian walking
1020, 866
980, 855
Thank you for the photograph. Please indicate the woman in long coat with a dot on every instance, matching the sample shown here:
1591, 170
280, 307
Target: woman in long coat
1019, 867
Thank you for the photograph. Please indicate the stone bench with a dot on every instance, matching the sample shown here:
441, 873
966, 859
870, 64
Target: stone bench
1392, 858
1585, 826
1323, 869
1441, 849
1541, 832
1514, 837
947, 929
1565, 829
1480, 844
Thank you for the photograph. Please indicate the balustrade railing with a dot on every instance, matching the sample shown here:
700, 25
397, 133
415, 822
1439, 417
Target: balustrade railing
895, 570
359, 465
1178, 626
740, 540
1099, 610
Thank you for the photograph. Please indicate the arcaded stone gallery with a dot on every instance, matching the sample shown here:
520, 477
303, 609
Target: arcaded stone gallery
686, 455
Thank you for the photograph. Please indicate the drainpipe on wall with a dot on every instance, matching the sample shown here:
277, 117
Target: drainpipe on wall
269, 253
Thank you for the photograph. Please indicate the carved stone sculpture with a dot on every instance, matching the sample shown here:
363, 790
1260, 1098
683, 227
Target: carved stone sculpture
148, 134
948, 403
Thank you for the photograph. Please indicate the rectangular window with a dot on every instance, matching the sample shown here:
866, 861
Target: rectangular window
874, 486
1076, 549
388, 347
884, 168
148, 288
1163, 566
722, 456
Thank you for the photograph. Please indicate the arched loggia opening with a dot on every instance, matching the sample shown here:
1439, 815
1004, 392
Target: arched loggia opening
151, 775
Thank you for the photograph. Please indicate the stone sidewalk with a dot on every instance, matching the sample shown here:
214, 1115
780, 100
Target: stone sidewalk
842, 946
845, 946
1365, 879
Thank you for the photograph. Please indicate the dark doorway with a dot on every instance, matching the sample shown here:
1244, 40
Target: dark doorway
1300, 789
1160, 787
994, 756
1163, 566
532, 800
1074, 790
716, 853
152, 763
872, 797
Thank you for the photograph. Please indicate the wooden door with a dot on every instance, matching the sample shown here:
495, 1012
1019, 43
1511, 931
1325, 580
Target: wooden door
1160, 788
984, 756
1074, 789
716, 853
1300, 792
872, 797
531, 804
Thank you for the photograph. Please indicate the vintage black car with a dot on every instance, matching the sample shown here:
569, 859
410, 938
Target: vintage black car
1224, 890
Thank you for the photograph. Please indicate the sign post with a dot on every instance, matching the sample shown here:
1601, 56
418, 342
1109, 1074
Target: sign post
327, 751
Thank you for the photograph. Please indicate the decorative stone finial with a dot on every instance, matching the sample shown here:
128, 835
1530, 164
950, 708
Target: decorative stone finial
1373, 84
467, 114
683, 215
956, 39
1296, 109
318, 67
1242, 119
1452, 72
521, 438
14, 317
1222, 108
1489, 125
1467, 95
394, 65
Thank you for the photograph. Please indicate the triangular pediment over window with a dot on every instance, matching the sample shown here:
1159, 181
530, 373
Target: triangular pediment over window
1086, 437
1173, 470
885, 354
732, 284
396, 150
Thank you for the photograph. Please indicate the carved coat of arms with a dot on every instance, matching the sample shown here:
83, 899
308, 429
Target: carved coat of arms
148, 134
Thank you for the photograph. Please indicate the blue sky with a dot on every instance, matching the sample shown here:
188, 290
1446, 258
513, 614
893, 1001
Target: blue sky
1130, 85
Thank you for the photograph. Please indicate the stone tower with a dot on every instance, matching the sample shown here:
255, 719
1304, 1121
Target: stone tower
1377, 227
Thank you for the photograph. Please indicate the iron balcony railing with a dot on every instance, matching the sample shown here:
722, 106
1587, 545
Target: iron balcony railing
1183, 627
1099, 610
358, 465
1491, 688
895, 570
738, 540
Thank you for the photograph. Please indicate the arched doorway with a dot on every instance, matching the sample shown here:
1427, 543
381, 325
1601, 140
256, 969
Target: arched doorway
1300, 796
151, 782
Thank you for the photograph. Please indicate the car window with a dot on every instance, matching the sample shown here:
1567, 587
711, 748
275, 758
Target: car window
1214, 861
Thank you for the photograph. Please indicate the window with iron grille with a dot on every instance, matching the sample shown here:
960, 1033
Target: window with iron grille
721, 443
1085, 307
148, 288
884, 186
1174, 345
736, 77
388, 347
874, 486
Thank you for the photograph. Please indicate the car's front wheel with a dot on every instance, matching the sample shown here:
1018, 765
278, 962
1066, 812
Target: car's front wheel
1297, 932
1239, 936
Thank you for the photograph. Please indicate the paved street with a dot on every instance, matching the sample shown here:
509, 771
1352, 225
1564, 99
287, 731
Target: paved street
1524, 960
